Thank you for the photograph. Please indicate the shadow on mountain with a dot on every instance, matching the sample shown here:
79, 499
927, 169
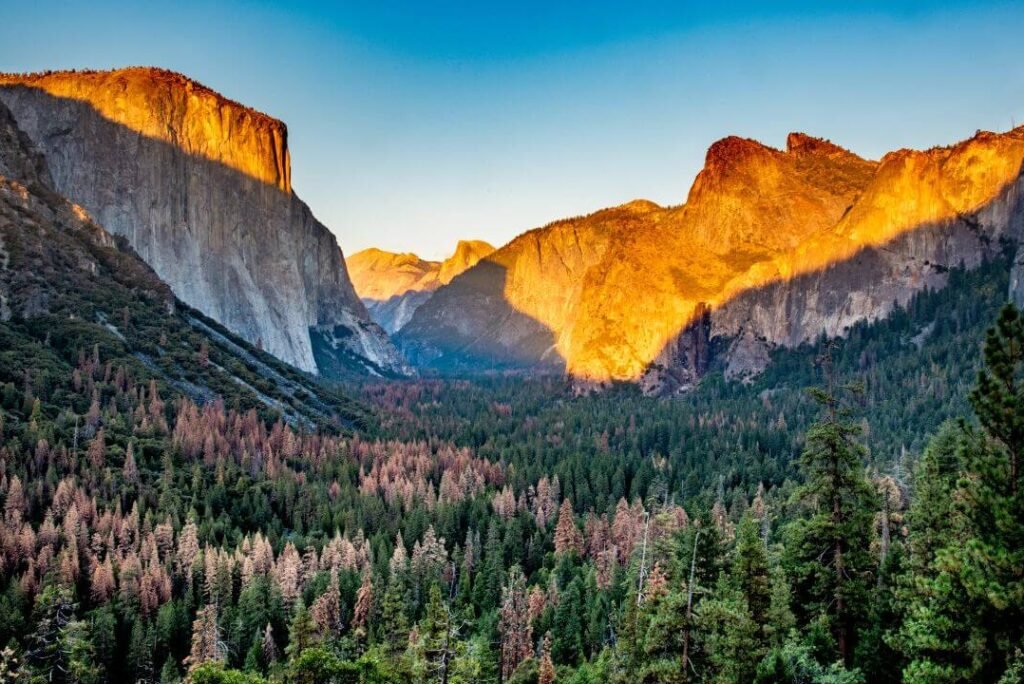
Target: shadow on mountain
848, 273
475, 328
737, 333
394, 312
265, 267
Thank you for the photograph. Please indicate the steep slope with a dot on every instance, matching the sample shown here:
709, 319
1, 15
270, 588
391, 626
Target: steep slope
201, 188
508, 310
771, 248
393, 286
72, 296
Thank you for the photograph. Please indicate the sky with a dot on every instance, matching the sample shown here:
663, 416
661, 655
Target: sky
413, 124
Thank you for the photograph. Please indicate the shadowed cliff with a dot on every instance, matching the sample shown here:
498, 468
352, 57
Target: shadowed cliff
455, 343
201, 188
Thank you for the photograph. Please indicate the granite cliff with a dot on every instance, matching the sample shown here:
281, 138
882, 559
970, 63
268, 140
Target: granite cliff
201, 188
771, 248
75, 299
393, 286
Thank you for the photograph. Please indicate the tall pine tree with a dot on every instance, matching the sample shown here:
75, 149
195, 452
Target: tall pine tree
828, 547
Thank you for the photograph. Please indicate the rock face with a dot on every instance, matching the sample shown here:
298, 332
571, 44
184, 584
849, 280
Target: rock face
393, 286
66, 284
201, 188
771, 248
1017, 279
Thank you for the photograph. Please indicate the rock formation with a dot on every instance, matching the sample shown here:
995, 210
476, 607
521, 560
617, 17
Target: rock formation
772, 248
69, 288
393, 286
201, 188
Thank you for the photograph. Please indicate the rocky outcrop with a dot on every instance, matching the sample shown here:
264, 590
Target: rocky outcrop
467, 254
201, 188
393, 286
1017, 279
772, 248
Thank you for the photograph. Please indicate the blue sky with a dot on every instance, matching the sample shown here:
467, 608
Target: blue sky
413, 124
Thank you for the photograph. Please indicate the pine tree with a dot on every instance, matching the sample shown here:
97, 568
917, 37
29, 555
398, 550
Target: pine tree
364, 603
487, 588
728, 634
828, 549
659, 628
514, 623
567, 536
140, 651
567, 645
750, 570
326, 610
54, 611
964, 588
301, 633
393, 617
939, 621
207, 645
268, 647
546, 672
998, 398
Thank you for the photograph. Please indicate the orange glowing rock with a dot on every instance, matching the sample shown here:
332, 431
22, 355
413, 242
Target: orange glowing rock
615, 296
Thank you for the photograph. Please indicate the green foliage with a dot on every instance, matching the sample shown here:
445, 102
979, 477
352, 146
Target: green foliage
216, 673
827, 548
714, 524
964, 586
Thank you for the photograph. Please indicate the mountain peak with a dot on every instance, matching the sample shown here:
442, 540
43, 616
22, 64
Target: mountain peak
734, 149
467, 254
156, 76
200, 186
803, 144
379, 275
172, 108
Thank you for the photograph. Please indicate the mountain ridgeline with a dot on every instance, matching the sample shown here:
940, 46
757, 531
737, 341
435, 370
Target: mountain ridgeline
394, 285
201, 188
771, 249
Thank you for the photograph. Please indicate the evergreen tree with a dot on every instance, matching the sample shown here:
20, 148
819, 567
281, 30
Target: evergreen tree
546, 671
964, 585
728, 634
54, 611
567, 645
302, 633
79, 653
828, 548
394, 622
751, 573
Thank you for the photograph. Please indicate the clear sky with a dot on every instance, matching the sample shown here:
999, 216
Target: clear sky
415, 124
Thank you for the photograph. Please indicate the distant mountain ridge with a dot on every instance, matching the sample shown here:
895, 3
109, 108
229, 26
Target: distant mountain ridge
201, 188
772, 248
393, 285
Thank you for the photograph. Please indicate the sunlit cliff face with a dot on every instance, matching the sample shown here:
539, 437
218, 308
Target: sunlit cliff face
380, 275
200, 186
166, 106
617, 287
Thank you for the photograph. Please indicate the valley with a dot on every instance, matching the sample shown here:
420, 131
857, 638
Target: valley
771, 434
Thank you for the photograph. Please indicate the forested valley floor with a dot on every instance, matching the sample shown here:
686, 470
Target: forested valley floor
499, 529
